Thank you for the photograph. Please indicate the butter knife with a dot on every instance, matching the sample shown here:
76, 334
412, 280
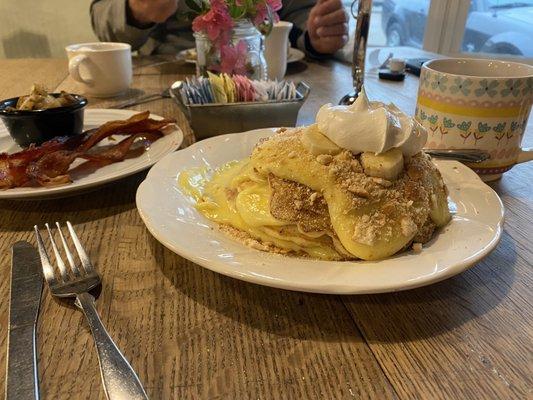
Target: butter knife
22, 381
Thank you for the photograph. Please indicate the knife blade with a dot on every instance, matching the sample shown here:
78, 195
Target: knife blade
25, 298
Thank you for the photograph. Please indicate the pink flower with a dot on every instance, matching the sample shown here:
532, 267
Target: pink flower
233, 59
216, 23
261, 15
262, 11
275, 5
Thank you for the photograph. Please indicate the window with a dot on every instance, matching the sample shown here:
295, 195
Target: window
460, 28
392, 23
499, 27
398, 23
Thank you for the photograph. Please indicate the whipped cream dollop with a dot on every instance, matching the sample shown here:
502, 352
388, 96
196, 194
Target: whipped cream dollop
371, 126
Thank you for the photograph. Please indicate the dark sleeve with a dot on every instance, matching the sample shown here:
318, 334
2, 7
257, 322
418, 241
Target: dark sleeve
110, 23
297, 12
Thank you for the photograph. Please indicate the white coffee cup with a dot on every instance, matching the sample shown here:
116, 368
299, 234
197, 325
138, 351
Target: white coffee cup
276, 50
102, 69
397, 65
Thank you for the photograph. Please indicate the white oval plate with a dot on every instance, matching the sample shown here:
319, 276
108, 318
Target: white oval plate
95, 117
189, 55
171, 217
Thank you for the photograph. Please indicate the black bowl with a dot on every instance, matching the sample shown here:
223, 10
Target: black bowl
27, 127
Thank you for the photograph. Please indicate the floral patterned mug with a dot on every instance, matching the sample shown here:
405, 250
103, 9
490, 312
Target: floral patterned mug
474, 103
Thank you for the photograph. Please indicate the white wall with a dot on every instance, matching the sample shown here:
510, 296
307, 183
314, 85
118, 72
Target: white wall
42, 28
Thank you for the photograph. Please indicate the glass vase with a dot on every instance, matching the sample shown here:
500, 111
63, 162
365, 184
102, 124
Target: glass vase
242, 55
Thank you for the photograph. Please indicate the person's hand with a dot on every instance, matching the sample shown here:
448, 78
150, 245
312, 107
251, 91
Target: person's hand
327, 26
145, 12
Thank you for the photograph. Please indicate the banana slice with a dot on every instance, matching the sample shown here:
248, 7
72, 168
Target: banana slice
316, 143
387, 165
438, 211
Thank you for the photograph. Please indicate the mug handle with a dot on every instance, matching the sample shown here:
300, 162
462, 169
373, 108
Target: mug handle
525, 155
74, 68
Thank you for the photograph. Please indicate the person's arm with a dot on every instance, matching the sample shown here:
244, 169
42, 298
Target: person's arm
320, 27
129, 21
110, 23
297, 12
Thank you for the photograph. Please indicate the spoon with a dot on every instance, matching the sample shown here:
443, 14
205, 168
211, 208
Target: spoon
462, 155
165, 94
175, 88
170, 92
348, 99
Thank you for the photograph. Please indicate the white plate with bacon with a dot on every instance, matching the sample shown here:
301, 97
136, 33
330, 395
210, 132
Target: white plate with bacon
107, 152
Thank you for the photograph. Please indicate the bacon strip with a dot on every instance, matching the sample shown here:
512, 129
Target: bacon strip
135, 124
48, 164
13, 166
119, 151
51, 169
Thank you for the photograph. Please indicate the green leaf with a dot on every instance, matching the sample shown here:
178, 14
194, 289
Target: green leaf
236, 12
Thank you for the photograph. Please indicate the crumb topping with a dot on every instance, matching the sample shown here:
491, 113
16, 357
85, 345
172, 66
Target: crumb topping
324, 159
391, 207
297, 203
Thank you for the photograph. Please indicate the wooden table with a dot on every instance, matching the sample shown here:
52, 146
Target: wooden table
191, 333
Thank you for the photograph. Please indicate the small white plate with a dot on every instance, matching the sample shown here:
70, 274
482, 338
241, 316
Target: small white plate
295, 55
171, 217
189, 55
94, 118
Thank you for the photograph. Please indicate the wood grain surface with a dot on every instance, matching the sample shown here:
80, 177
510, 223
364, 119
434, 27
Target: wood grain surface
193, 334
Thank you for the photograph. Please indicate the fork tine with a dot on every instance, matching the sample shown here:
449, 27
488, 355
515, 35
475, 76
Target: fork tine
67, 250
84, 258
59, 260
48, 270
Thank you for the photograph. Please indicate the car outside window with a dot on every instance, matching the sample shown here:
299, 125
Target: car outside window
395, 22
499, 27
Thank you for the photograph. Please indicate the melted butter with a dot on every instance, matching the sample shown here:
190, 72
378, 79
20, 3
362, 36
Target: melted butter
193, 181
253, 205
237, 196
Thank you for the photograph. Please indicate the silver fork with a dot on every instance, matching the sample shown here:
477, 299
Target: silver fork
118, 377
